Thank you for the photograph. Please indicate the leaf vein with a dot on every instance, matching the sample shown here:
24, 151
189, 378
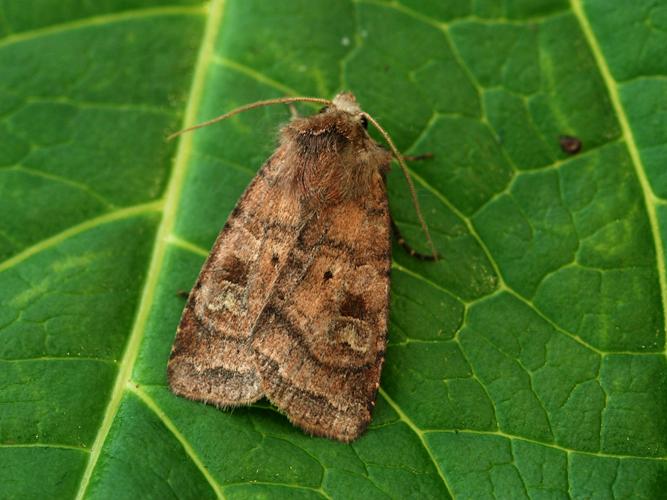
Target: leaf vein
123, 213
86, 22
157, 411
649, 195
548, 445
174, 188
420, 434
254, 74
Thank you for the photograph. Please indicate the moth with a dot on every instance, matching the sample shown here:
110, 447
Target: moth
292, 302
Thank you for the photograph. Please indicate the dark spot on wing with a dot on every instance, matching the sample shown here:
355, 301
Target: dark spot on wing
234, 270
353, 306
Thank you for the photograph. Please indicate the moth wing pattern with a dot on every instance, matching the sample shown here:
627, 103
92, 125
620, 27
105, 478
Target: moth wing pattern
320, 339
211, 359
292, 302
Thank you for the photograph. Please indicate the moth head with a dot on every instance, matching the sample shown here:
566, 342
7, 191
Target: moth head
347, 103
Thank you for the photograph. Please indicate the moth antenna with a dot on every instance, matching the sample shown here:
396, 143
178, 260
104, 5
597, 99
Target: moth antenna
413, 192
258, 104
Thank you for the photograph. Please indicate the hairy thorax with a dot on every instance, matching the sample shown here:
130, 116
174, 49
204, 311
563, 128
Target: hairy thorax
329, 158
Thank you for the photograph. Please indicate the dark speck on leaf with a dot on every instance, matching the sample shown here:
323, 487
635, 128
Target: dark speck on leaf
570, 144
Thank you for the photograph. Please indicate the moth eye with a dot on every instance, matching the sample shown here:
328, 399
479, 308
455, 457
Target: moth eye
323, 109
328, 275
364, 121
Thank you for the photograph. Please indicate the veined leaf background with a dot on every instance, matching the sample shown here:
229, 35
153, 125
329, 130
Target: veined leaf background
528, 363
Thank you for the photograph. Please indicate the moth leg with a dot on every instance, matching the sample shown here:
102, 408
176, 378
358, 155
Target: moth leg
420, 157
399, 237
405, 246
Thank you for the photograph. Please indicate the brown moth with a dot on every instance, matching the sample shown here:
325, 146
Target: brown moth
292, 302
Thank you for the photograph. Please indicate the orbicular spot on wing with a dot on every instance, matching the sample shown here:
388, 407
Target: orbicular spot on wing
224, 289
227, 297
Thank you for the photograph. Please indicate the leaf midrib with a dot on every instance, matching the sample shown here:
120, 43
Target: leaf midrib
161, 243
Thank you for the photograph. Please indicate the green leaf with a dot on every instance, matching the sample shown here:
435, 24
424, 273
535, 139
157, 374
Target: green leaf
528, 362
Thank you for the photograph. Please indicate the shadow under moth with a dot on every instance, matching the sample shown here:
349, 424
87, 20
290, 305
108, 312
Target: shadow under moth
292, 302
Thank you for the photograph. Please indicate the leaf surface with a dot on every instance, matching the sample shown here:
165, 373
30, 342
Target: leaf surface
528, 362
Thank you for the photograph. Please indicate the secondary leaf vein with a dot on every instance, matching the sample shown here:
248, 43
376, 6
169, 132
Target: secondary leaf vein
97, 21
155, 408
43, 245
